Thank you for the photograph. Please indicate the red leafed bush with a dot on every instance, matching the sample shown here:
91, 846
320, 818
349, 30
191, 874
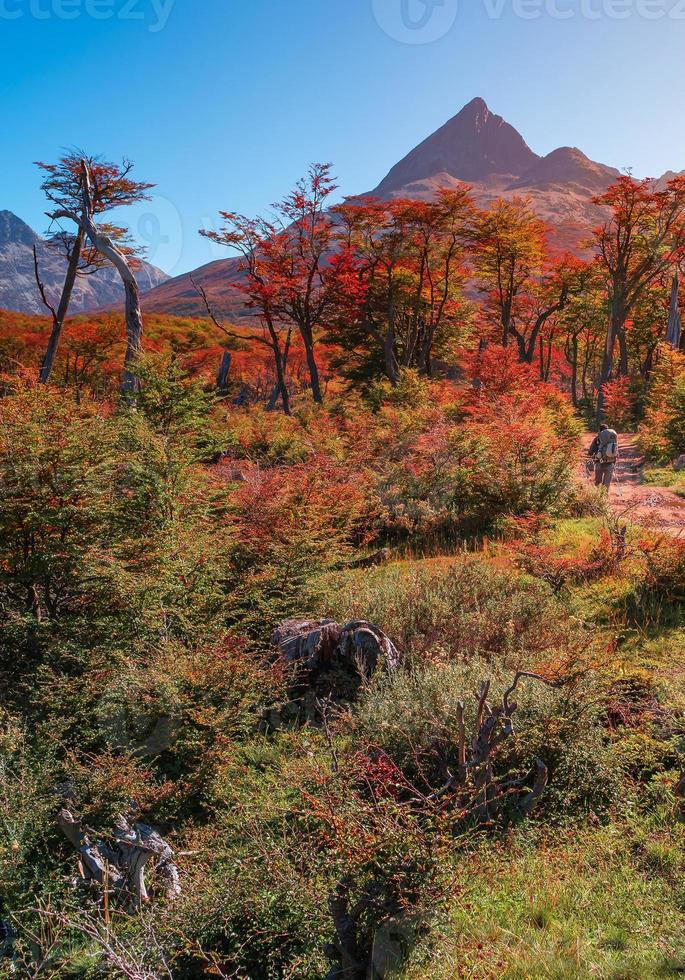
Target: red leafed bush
619, 401
506, 448
319, 501
664, 560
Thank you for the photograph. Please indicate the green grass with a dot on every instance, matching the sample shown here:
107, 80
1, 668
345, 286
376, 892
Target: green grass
572, 535
456, 607
604, 903
667, 477
603, 602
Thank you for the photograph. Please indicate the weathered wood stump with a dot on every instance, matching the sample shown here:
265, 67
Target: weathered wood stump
120, 866
473, 785
319, 645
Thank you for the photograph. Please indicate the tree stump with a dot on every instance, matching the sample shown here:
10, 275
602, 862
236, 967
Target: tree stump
322, 644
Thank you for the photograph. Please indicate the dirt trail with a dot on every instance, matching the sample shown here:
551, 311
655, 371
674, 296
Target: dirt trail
633, 500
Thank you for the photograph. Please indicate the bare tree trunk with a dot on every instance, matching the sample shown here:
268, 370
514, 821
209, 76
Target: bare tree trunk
589, 351
134, 335
648, 366
280, 361
506, 323
613, 328
674, 328
222, 376
425, 358
352, 959
389, 356
134, 317
574, 370
541, 350
59, 316
308, 339
548, 363
526, 354
273, 398
527, 348
623, 368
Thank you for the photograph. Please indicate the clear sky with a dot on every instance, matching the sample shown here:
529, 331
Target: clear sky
223, 103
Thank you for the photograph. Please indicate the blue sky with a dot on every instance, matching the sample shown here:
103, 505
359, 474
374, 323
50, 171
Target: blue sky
223, 103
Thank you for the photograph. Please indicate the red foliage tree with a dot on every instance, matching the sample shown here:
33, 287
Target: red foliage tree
291, 275
535, 312
508, 244
63, 185
642, 239
409, 258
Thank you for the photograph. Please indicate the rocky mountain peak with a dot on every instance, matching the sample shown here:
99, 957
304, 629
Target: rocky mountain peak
14, 231
568, 166
471, 146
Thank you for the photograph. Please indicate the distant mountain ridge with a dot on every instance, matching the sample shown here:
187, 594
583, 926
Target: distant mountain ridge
477, 147
18, 289
469, 147
567, 165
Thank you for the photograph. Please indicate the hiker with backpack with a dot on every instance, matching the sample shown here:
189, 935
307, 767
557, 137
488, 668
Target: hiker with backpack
604, 452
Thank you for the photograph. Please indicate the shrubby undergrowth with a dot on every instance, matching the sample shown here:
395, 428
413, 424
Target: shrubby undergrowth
147, 552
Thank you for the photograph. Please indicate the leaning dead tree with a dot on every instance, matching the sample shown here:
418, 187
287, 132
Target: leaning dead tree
119, 865
84, 219
473, 785
112, 187
316, 646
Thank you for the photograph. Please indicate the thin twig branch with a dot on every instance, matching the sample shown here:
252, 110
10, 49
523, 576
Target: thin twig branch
41, 287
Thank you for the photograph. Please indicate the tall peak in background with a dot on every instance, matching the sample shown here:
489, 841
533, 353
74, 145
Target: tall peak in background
14, 231
476, 146
478, 108
471, 146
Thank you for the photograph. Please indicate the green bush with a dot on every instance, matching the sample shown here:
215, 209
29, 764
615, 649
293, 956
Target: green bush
28, 803
460, 608
662, 434
412, 717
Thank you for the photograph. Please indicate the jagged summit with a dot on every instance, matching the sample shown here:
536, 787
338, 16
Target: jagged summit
471, 146
477, 110
14, 231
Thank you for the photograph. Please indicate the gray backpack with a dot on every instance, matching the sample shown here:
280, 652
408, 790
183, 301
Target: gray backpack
608, 447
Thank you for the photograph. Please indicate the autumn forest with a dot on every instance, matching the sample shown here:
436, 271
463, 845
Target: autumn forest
321, 655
